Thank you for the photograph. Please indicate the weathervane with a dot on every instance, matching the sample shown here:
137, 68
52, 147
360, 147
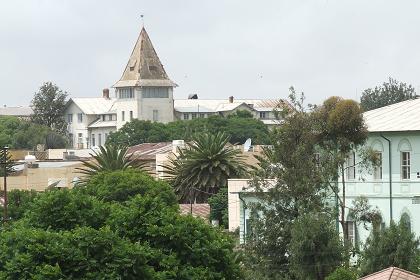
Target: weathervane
142, 19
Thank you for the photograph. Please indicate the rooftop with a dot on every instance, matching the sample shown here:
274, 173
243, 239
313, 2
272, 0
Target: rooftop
148, 151
402, 116
17, 111
93, 105
392, 273
216, 105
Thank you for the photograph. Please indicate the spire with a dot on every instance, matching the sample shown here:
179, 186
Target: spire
144, 67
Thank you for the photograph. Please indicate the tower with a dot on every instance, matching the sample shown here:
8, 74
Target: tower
144, 90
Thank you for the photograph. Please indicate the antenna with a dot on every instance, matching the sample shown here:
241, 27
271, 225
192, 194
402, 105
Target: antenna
247, 145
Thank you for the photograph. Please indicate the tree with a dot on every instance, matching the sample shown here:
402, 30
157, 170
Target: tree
315, 247
341, 131
297, 188
203, 167
219, 207
386, 94
48, 107
19, 201
395, 246
121, 225
342, 273
109, 158
6, 159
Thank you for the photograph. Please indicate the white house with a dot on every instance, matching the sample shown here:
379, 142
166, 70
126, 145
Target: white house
393, 187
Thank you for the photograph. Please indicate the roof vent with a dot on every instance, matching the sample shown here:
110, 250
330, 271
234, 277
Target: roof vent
105, 93
152, 68
193, 96
230, 99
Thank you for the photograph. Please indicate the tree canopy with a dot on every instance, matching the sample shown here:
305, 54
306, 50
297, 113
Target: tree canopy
388, 93
22, 134
121, 225
48, 105
238, 127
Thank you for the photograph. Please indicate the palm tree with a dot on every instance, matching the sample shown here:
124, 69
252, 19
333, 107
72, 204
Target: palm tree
200, 169
109, 158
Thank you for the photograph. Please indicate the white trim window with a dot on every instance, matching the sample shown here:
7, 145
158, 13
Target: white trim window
69, 118
186, 116
405, 165
126, 93
351, 166
93, 140
80, 117
377, 169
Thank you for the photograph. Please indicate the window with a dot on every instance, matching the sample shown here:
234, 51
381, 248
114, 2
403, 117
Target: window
123, 116
109, 117
80, 140
155, 115
93, 140
103, 118
351, 228
263, 115
155, 92
186, 116
405, 165
80, 117
351, 166
126, 93
193, 115
99, 139
131, 115
202, 115
71, 139
69, 118
377, 169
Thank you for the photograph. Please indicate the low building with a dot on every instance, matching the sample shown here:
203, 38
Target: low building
21, 112
393, 273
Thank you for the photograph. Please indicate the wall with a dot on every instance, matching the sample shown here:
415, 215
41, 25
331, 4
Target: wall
165, 107
104, 131
75, 127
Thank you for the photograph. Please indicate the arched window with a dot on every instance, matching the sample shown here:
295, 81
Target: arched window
406, 220
352, 230
377, 169
405, 150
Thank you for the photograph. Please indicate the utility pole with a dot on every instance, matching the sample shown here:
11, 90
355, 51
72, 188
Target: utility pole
5, 183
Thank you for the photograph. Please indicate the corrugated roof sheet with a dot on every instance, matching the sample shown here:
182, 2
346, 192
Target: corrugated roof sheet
217, 105
402, 116
201, 210
148, 151
93, 105
18, 111
100, 123
392, 273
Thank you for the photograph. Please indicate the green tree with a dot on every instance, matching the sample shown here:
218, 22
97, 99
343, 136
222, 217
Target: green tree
19, 201
386, 94
108, 158
395, 246
342, 273
6, 161
203, 166
315, 247
48, 107
297, 188
219, 207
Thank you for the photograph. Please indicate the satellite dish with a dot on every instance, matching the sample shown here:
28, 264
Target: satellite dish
247, 145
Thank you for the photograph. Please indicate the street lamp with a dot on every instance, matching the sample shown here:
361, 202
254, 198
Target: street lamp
4, 149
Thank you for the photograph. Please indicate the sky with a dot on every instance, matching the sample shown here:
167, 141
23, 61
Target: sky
216, 49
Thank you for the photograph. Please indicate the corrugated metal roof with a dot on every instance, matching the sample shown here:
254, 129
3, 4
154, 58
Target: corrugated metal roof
18, 111
217, 105
93, 105
402, 116
148, 151
200, 210
100, 123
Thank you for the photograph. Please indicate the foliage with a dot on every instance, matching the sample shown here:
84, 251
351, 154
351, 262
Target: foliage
48, 107
298, 188
362, 212
139, 234
203, 166
54, 140
109, 158
219, 207
6, 161
238, 126
315, 247
386, 94
120, 186
83, 253
21, 134
19, 201
395, 246
66, 210
342, 273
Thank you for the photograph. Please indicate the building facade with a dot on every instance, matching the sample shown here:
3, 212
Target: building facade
393, 187
145, 92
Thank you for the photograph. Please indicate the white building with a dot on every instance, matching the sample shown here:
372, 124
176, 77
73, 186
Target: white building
145, 92
393, 187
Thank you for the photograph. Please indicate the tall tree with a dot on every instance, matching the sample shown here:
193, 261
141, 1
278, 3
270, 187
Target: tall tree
203, 166
395, 245
386, 94
48, 107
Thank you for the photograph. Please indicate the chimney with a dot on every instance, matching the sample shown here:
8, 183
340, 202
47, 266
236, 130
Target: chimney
105, 93
230, 99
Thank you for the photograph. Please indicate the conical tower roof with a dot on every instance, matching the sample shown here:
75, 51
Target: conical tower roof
144, 67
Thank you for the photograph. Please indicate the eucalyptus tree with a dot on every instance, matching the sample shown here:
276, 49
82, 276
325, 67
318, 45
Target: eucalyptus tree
203, 166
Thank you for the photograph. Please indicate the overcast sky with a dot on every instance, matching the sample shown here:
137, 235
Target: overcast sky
248, 49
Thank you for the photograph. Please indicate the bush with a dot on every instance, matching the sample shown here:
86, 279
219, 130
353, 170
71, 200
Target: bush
342, 273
